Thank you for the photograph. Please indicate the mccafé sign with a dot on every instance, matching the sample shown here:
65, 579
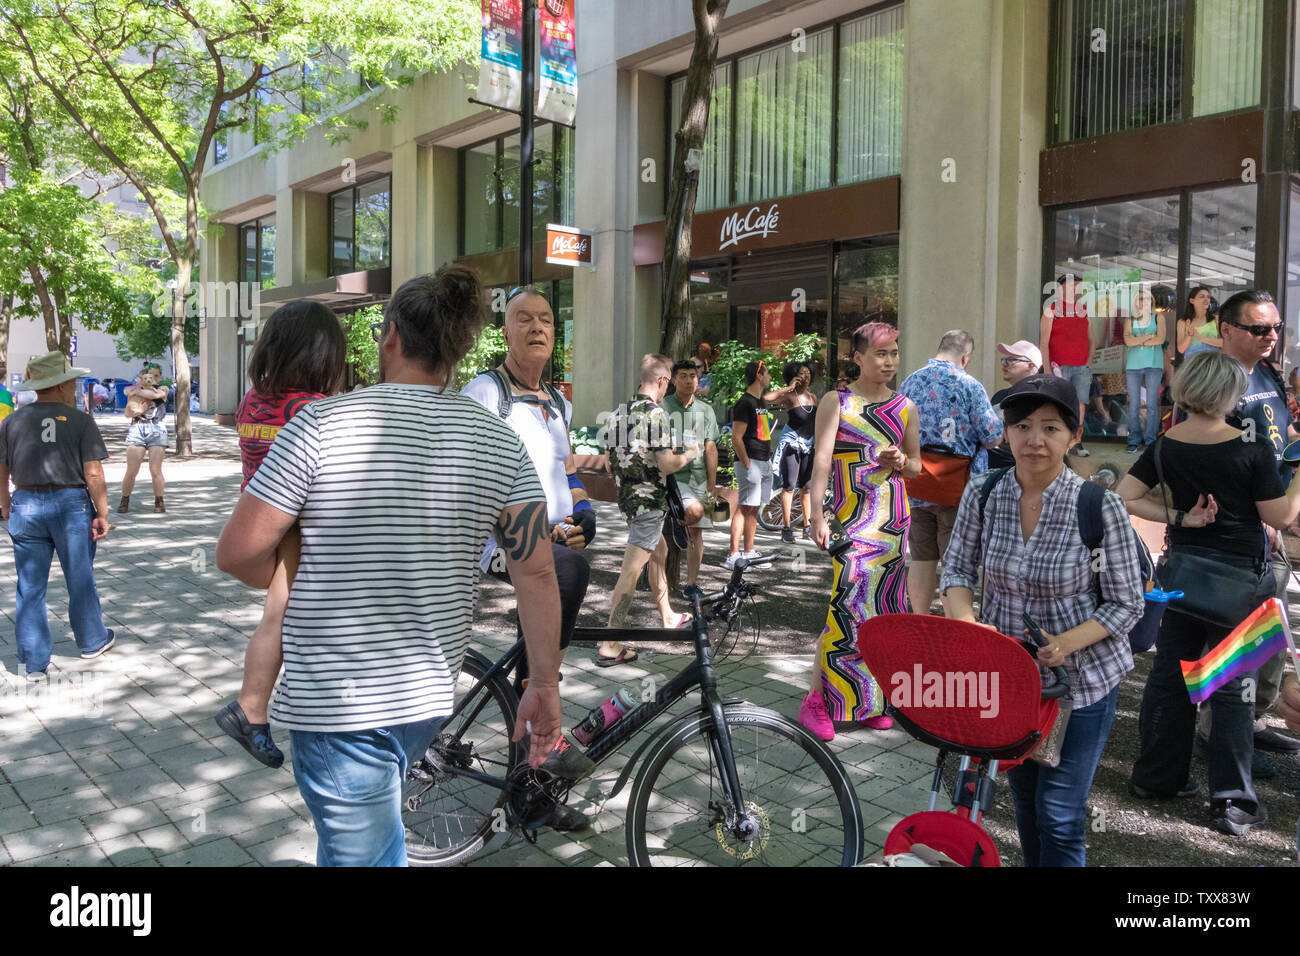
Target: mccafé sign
566, 246
736, 228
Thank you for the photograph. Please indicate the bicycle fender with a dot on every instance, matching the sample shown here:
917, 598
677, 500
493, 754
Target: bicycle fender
700, 711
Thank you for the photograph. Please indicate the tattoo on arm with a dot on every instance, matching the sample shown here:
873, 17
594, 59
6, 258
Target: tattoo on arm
520, 535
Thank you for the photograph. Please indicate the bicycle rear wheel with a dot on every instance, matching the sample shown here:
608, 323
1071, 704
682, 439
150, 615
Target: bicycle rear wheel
772, 518
449, 820
794, 789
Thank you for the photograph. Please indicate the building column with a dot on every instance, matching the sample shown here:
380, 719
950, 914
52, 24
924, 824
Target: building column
973, 125
607, 341
218, 345
412, 212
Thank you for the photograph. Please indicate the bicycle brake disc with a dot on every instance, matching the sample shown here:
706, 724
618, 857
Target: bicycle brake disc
739, 847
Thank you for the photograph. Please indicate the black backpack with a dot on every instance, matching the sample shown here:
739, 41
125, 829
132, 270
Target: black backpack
1092, 530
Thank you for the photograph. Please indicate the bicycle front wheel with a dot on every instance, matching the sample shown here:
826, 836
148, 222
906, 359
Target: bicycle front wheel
450, 817
799, 802
771, 517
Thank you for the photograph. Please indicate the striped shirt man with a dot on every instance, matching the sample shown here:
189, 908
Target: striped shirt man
396, 487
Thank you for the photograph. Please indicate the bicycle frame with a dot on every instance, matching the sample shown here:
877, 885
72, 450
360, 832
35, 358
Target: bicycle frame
699, 673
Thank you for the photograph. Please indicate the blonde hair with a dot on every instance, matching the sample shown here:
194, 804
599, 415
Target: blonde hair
1209, 383
654, 365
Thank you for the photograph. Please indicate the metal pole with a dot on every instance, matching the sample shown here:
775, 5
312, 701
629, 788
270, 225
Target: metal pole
526, 145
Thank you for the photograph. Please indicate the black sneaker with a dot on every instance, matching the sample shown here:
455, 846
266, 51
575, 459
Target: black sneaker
1261, 768
1190, 789
255, 738
787, 535
568, 762
1234, 819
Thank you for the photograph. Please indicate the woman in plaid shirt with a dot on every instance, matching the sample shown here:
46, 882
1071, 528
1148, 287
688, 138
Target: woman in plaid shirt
1034, 560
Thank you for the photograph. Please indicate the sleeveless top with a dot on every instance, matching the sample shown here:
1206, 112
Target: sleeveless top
803, 419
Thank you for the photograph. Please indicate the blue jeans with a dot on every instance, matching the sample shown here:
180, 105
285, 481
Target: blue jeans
352, 784
1080, 376
41, 523
1151, 378
1051, 802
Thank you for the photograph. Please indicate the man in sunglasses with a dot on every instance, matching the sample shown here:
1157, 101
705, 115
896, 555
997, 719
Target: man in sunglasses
1250, 326
540, 415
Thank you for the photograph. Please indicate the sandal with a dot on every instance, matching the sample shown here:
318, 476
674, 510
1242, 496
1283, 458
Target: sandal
255, 738
624, 657
683, 620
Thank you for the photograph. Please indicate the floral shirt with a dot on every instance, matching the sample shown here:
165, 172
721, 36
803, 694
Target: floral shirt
636, 433
955, 411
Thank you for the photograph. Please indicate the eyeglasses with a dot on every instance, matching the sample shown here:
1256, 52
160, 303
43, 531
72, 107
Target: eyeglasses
1261, 330
377, 330
1012, 360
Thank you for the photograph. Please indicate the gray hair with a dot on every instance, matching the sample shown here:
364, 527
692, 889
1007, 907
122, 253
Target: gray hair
654, 365
1209, 383
956, 342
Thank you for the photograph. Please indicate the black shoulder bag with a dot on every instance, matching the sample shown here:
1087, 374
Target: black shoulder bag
1214, 591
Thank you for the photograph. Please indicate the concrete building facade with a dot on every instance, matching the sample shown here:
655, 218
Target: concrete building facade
926, 162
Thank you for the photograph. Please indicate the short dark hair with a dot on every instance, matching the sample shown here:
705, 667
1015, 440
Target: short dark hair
300, 349
685, 365
792, 369
1231, 310
751, 372
437, 317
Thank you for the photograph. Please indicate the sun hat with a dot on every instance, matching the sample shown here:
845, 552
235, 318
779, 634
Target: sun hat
49, 370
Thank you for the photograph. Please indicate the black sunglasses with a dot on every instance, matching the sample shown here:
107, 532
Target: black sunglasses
376, 330
1259, 331
521, 289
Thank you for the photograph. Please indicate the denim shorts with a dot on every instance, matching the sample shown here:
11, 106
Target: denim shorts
645, 529
147, 435
1080, 376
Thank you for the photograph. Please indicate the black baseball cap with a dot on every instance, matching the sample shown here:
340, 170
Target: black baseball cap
1040, 388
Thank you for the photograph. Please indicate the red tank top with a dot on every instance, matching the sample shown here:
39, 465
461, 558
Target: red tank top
1068, 344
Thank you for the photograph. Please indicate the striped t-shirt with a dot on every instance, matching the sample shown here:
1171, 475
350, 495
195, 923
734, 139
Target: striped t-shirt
396, 488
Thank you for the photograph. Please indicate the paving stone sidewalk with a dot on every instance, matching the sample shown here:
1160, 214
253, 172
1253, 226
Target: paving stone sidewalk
117, 761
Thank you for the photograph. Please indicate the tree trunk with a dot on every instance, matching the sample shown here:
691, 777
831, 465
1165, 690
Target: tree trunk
6, 307
181, 361
47, 306
60, 296
696, 101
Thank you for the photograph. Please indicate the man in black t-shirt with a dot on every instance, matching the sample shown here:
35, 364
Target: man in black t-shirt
751, 439
54, 452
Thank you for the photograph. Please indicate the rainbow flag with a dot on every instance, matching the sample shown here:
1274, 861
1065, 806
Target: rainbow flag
1254, 641
765, 421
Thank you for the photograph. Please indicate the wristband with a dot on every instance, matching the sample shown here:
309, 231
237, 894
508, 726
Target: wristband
583, 505
1178, 519
576, 482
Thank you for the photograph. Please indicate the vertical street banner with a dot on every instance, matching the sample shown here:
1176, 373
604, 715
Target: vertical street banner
557, 89
777, 325
500, 78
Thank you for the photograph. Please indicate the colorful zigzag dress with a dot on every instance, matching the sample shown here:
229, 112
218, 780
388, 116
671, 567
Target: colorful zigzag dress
870, 578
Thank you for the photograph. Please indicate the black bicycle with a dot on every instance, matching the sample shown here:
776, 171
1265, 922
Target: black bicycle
726, 783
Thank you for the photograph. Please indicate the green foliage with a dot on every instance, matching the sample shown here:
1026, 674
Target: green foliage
726, 460
363, 351
487, 352
149, 336
728, 372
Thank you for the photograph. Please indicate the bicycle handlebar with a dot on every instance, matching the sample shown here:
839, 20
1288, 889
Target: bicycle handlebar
698, 597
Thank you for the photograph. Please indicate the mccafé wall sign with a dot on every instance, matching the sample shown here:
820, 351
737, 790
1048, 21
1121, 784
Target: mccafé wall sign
566, 246
755, 222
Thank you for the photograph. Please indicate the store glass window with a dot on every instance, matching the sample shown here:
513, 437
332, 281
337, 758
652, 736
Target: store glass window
490, 185
866, 290
870, 121
482, 198
783, 119
1117, 249
1118, 65
1229, 50
1221, 240
714, 189
1290, 305
257, 252
708, 291
361, 227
